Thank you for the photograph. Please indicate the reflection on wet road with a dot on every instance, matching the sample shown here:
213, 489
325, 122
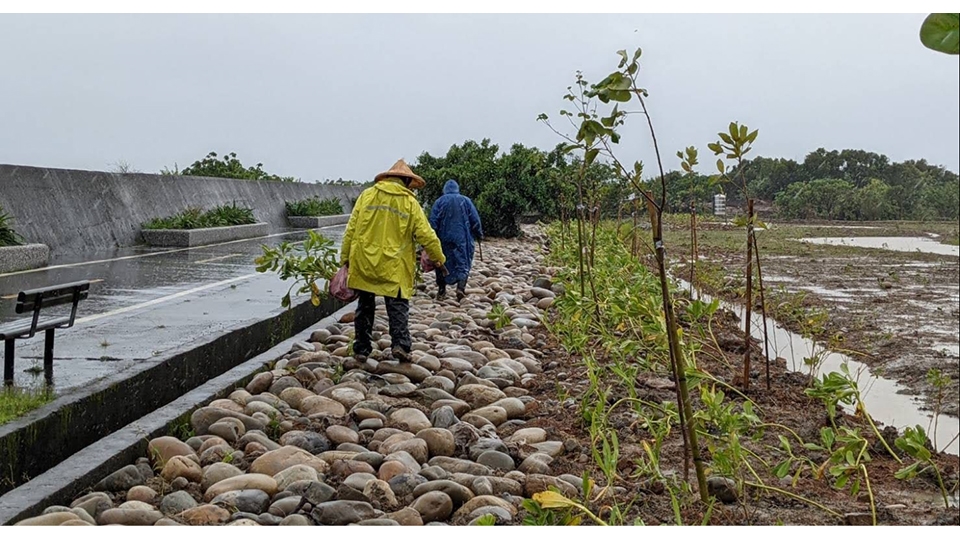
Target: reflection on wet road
145, 301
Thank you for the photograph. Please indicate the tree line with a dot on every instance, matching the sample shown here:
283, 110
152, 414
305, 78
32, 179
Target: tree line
837, 185
524, 180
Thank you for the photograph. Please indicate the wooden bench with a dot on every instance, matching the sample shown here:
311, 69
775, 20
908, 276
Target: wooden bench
35, 300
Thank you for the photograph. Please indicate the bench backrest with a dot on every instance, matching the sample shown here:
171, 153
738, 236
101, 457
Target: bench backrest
36, 299
56, 295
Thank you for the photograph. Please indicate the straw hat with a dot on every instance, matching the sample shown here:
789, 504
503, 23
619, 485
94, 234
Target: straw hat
400, 169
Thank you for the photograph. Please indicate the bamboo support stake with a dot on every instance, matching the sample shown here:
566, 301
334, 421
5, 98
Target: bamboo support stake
748, 297
693, 247
763, 308
676, 356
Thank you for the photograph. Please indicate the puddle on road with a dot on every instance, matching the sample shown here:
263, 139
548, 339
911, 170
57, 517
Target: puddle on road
881, 396
891, 243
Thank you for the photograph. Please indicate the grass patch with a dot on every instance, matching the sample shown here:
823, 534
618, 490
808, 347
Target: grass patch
226, 215
8, 237
315, 206
15, 402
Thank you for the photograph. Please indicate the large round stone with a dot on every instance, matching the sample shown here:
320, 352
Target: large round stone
433, 506
310, 441
180, 466
245, 481
440, 442
207, 514
275, 461
409, 419
162, 449
296, 473
323, 406
253, 501
129, 516
217, 472
176, 502
477, 395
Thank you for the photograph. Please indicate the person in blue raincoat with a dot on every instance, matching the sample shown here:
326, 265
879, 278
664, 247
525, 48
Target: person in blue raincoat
457, 223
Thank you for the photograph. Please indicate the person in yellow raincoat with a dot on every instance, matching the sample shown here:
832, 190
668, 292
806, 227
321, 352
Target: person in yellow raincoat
379, 249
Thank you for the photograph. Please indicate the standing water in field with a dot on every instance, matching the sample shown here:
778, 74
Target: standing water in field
892, 243
881, 397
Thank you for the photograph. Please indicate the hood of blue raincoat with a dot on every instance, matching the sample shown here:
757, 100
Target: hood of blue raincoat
451, 187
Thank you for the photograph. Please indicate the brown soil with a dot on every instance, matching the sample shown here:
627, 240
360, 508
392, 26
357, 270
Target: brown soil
785, 403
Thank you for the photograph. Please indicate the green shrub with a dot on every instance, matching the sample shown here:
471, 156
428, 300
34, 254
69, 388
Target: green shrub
195, 218
8, 237
227, 167
315, 206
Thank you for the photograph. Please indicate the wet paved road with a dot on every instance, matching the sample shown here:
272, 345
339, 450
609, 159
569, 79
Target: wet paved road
145, 301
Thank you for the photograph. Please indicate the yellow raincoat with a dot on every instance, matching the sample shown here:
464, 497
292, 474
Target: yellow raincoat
381, 237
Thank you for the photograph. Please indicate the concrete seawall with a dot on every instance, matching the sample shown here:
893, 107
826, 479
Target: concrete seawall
71, 210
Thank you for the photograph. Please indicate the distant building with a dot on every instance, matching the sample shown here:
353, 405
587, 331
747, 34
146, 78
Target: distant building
719, 204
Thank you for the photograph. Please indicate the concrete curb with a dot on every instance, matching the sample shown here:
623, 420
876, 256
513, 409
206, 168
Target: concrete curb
315, 222
202, 237
62, 483
25, 257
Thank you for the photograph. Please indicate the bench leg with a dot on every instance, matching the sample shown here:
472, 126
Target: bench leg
48, 356
8, 348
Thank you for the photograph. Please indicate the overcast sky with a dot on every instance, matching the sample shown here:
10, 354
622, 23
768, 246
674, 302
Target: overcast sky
327, 96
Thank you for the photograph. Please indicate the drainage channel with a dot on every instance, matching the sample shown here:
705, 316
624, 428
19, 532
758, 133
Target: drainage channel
882, 397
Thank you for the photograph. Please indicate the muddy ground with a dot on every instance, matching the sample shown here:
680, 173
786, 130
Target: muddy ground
898, 312
898, 502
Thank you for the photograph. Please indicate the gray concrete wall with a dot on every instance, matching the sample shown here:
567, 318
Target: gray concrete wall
73, 211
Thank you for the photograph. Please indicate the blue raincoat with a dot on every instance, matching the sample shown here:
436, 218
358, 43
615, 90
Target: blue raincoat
457, 223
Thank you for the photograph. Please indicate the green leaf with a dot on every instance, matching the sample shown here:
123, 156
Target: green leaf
734, 130
941, 32
622, 96
743, 134
623, 58
637, 53
907, 472
782, 469
752, 136
841, 481
849, 456
784, 442
726, 138
715, 148
487, 520
720, 166
591, 155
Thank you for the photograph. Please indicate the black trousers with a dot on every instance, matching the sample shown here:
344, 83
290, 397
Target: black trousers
442, 285
398, 315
